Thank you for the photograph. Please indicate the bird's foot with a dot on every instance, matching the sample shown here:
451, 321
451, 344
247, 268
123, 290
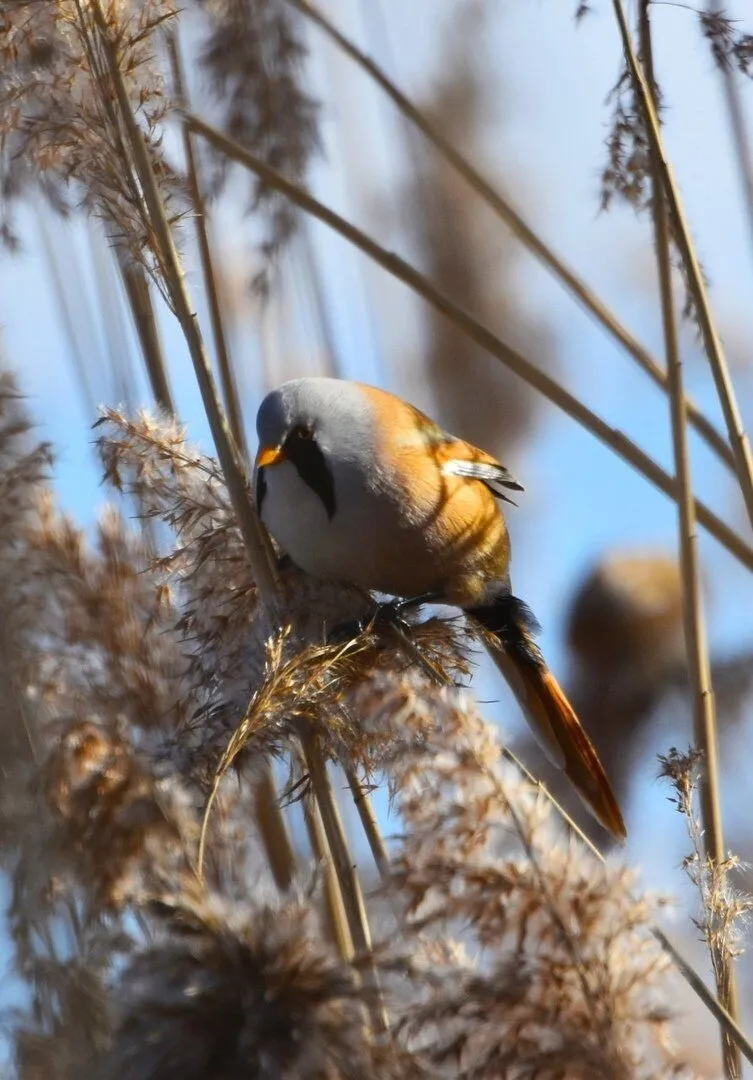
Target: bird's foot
383, 617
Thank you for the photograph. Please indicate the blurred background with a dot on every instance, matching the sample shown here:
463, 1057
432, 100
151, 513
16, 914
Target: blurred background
521, 90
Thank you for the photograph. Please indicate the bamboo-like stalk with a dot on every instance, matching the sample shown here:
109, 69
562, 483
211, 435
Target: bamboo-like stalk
337, 916
274, 831
512, 218
368, 820
227, 375
269, 816
524, 368
696, 646
694, 980
346, 871
725, 390
256, 541
139, 297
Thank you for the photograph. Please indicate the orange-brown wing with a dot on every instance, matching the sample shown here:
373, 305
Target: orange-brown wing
496, 477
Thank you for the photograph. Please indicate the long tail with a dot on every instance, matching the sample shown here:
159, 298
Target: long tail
549, 713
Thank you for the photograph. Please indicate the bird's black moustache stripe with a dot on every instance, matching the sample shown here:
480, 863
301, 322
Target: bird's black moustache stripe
303, 451
261, 489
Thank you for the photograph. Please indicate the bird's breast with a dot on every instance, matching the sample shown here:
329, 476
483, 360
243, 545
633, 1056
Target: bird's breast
451, 540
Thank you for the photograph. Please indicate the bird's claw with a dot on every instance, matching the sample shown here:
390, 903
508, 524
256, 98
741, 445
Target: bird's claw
386, 616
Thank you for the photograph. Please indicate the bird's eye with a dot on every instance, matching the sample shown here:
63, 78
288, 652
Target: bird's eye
302, 431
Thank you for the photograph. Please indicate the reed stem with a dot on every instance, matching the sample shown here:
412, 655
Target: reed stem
696, 646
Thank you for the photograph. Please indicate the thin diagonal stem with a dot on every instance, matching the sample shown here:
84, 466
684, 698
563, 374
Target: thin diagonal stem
368, 819
540, 380
350, 884
725, 390
227, 375
338, 919
507, 213
263, 568
136, 288
696, 647
234, 471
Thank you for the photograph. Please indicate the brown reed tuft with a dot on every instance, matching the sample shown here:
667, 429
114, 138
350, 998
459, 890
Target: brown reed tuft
59, 131
539, 962
238, 992
725, 908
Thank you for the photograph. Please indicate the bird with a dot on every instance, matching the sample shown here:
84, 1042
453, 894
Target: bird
356, 485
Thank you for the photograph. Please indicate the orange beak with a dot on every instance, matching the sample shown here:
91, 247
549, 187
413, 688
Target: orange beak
269, 455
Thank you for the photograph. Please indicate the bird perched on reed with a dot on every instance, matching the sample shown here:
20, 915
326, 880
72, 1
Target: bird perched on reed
358, 486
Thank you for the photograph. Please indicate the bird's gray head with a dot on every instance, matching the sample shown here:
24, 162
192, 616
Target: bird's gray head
332, 412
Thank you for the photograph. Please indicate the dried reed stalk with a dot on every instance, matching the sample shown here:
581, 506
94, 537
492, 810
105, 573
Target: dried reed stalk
262, 562
136, 285
725, 390
273, 829
523, 367
338, 924
696, 645
255, 539
368, 820
266, 797
506, 212
227, 375
346, 871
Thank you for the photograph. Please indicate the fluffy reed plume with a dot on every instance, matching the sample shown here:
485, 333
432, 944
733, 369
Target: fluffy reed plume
627, 173
254, 54
24, 466
725, 909
470, 257
243, 991
536, 960
731, 46
59, 129
204, 560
